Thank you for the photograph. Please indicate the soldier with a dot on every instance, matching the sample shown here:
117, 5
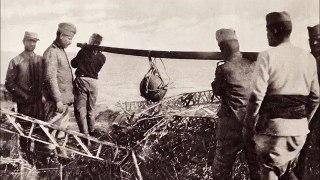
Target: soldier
24, 81
309, 157
284, 98
232, 83
88, 63
58, 89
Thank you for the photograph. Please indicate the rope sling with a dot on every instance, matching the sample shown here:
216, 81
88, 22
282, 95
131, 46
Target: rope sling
152, 86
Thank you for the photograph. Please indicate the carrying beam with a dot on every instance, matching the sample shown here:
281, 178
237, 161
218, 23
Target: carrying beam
192, 55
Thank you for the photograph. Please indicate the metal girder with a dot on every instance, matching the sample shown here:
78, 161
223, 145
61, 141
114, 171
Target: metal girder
180, 101
73, 142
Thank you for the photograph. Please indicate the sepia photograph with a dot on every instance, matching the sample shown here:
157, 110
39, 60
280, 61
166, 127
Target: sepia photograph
160, 90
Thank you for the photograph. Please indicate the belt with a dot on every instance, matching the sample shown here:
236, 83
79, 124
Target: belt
284, 106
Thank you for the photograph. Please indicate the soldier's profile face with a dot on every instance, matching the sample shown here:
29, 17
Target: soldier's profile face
29, 44
65, 40
271, 38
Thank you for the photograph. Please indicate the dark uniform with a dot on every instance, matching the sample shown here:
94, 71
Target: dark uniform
24, 80
232, 83
88, 63
309, 160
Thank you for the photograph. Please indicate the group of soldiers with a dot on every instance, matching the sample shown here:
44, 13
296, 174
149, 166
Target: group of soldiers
44, 87
268, 105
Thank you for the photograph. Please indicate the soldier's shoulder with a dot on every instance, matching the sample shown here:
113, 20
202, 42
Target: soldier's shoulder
103, 56
267, 51
248, 61
17, 58
51, 49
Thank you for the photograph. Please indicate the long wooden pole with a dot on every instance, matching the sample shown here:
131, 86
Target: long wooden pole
194, 55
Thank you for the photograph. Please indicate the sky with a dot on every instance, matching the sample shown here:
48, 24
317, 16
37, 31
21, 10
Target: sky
183, 25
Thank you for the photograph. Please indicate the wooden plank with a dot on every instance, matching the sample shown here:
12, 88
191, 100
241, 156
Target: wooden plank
194, 55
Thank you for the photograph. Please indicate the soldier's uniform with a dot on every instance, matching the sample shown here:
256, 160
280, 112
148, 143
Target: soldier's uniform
232, 83
24, 80
309, 159
285, 93
58, 80
88, 63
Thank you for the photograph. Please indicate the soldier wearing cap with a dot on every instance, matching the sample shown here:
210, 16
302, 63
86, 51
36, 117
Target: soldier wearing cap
58, 89
232, 84
24, 81
284, 98
309, 158
88, 63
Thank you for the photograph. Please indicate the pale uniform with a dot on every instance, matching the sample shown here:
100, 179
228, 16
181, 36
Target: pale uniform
283, 73
58, 79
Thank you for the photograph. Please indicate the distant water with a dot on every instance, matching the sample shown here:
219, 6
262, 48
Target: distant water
120, 77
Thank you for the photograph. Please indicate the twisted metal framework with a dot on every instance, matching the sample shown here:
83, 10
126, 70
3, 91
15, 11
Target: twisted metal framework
73, 143
180, 101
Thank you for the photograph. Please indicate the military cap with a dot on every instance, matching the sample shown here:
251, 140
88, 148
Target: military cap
31, 35
95, 37
277, 17
67, 28
225, 35
314, 32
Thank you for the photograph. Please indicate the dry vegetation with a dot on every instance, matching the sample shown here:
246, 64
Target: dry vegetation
166, 148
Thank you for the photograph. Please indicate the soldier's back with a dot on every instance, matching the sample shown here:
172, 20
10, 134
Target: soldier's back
238, 74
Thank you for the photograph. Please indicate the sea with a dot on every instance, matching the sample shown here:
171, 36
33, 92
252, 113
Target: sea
120, 77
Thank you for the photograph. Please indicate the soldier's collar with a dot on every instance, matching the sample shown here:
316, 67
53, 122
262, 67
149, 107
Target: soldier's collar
26, 54
57, 44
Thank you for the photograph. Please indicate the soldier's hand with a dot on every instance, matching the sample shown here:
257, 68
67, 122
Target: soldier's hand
60, 107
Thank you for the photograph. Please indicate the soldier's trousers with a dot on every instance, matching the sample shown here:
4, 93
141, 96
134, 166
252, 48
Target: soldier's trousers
309, 158
84, 103
229, 142
34, 110
52, 116
277, 154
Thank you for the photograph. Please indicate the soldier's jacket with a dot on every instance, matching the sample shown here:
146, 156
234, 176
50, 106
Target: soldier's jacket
284, 71
318, 66
58, 75
25, 77
232, 83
